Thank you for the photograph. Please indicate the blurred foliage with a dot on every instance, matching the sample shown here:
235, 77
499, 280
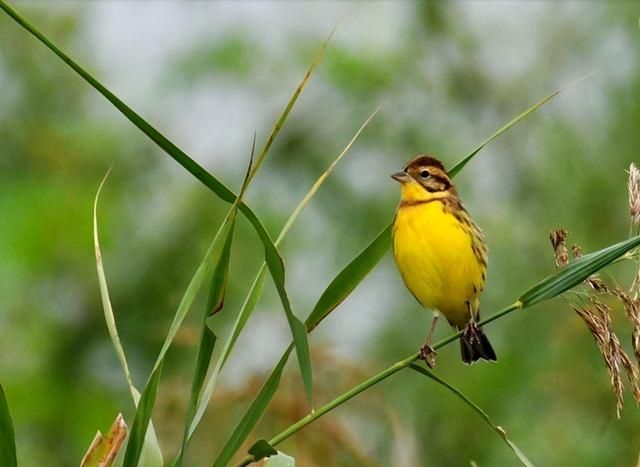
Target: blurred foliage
446, 75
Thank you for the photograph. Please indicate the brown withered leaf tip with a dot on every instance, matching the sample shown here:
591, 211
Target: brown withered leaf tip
557, 238
634, 194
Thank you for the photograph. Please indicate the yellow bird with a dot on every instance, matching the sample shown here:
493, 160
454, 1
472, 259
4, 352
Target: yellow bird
441, 254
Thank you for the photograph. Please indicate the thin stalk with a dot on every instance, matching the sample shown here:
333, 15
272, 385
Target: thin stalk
381, 376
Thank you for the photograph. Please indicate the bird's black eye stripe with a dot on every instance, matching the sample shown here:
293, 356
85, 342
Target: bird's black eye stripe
425, 173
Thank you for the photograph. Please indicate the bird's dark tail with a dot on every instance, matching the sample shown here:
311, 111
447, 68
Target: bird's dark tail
475, 345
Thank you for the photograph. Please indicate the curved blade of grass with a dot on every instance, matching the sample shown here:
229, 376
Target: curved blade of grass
283, 117
499, 430
138, 435
460, 165
256, 287
207, 343
576, 272
215, 303
7, 436
203, 271
349, 278
253, 415
152, 455
104, 449
298, 330
272, 257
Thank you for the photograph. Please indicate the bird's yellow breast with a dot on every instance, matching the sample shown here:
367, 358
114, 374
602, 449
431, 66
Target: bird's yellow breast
434, 253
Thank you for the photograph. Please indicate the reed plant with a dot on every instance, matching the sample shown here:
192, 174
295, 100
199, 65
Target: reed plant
211, 278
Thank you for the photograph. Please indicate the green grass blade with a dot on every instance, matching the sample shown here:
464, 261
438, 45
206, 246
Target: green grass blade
203, 271
209, 387
7, 436
207, 344
138, 434
170, 148
152, 454
523, 459
460, 165
576, 272
298, 329
253, 415
214, 304
350, 277
321, 179
283, 117
104, 295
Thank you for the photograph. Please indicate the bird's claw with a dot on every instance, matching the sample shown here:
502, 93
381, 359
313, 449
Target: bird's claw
471, 332
428, 354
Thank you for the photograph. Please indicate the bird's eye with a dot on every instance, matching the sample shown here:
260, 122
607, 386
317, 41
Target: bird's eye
425, 174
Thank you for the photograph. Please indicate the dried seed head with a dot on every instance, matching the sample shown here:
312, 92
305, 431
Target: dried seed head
634, 194
635, 342
632, 310
635, 286
597, 284
557, 238
597, 317
577, 252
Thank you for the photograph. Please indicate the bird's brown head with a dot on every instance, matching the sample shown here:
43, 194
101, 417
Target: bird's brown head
424, 173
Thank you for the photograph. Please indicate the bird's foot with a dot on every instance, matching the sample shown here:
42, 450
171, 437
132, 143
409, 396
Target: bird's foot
472, 332
428, 354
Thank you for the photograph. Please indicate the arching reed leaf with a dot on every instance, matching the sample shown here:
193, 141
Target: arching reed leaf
460, 165
576, 272
7, 436
139, 428
349, 278
151, 455
499, 430
207, 343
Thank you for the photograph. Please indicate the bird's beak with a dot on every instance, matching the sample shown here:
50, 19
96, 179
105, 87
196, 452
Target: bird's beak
401, 177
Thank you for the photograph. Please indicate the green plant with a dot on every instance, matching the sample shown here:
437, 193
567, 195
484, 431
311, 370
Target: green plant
215, 267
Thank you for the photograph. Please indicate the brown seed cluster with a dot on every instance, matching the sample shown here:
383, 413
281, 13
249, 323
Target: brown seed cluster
597, 315
558, 238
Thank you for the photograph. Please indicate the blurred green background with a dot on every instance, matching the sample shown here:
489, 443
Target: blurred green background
210, 74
